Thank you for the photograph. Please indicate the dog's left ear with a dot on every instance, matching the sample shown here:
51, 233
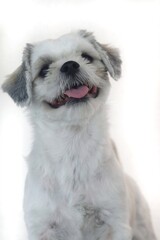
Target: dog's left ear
114, 59
109, 56
18, 84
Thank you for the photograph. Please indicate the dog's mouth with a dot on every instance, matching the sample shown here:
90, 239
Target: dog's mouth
75, 94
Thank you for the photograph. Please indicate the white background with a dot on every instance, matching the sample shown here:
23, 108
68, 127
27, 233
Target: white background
131, 25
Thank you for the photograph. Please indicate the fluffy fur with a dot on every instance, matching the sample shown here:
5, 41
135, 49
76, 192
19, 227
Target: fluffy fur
75, 188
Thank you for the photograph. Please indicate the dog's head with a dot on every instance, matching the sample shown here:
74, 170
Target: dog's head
66, 78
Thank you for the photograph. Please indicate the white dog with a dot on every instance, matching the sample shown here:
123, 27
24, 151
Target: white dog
75, 188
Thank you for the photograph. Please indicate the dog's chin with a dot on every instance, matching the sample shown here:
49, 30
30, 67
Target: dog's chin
74, 96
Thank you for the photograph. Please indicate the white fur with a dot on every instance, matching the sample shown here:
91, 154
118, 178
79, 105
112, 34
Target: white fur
76, 188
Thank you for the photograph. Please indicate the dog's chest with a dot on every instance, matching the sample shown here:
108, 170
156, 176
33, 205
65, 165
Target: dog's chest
72, 172
70, 165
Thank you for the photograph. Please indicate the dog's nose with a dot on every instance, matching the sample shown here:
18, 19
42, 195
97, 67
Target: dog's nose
70, 67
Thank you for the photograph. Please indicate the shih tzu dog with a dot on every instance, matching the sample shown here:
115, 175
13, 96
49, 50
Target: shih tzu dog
75, 188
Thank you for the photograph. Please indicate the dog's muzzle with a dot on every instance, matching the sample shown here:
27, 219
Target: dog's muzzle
77, 89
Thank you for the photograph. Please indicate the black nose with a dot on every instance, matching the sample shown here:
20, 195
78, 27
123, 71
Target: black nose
70, 67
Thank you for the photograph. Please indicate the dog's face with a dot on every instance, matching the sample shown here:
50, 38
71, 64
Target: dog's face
65, 79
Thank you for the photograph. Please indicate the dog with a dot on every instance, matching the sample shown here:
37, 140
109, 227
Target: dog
75, 188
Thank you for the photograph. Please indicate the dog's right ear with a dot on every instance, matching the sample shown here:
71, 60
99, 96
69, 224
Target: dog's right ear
19, 84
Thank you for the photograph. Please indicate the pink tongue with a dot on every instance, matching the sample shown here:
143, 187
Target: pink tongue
77, 92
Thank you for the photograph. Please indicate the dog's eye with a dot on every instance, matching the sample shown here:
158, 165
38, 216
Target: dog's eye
44, 70
87, 57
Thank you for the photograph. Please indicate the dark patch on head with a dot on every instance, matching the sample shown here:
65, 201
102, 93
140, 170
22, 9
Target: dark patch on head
85, 34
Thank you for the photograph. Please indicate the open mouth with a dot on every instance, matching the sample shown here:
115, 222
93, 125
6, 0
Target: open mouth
75, 95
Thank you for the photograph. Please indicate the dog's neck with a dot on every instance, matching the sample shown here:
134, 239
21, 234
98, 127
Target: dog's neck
46, 129
60, 141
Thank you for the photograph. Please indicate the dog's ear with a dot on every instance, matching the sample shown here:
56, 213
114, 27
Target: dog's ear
19, 84
109, 56
114, 59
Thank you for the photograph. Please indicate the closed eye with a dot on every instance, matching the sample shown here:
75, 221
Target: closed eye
44, 70
87, 57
